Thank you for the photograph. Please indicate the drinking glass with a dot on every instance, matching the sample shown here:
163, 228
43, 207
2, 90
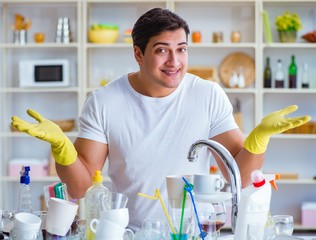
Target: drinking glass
208, 225
155, 229
7, 220
255, 231
183, 221
283, 225
220, 216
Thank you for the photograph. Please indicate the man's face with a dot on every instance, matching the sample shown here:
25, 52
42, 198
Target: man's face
164, 62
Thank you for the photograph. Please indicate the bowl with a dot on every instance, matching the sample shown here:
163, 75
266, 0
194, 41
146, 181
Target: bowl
127, 38
106, 34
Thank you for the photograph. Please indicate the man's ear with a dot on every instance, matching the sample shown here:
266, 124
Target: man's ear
138, 55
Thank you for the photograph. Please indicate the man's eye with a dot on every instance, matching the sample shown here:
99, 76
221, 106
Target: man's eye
162, 50
182, 50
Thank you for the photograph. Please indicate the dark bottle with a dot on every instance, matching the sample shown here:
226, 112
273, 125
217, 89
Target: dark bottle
292, 73
279, 75
267, 76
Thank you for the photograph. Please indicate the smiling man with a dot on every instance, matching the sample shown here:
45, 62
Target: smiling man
144, 123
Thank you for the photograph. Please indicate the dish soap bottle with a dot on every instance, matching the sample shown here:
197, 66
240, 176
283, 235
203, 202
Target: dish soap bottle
254, 206
95, 197
25, 199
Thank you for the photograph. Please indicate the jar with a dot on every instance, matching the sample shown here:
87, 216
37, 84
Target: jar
217, 37
235, 36
196, 36
39, 37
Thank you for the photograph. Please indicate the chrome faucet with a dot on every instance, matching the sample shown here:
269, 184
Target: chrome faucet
231, 168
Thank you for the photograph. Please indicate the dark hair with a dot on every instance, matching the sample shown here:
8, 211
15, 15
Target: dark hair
154, 22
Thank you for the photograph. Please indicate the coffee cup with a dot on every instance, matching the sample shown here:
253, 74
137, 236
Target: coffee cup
205, 184
60, 215
26, 226
104, 229
175, 189
27, 221
119, 216
17, 234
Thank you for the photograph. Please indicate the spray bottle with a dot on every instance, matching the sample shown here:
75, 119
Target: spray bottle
25, 199
254, 205
94, 197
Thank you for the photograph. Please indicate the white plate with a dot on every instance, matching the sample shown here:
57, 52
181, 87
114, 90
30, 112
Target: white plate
213, 198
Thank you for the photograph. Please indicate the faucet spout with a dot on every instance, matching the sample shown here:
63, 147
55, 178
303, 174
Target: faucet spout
231, 168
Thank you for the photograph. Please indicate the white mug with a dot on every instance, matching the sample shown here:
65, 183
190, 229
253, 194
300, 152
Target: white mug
26, 234
175, 189
27, 221
207, 183
60, 215
104, 229
26, 226
119, 216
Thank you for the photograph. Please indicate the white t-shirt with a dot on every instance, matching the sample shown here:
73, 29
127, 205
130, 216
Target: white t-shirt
149, 138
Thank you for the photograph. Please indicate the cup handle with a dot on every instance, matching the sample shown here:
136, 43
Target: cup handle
94, 224
130, 233
220, 183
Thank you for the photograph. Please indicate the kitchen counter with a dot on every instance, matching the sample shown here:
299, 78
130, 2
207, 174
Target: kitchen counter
298, 235
294, 237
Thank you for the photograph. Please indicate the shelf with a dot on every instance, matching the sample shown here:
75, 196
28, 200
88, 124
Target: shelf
296, 181
92, 62
34, 179
38, 1
294, 136
24, 135
39, 90
288, 90
289, 45
39, 45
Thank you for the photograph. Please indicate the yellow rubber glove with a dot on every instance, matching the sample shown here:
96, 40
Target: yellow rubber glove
274, 123
63, 149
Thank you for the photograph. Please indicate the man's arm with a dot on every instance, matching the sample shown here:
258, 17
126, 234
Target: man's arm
247, 162
249, 154
78, 176
75, 163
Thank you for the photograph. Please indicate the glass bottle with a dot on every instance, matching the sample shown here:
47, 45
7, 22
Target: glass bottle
267, 76
305, 76
279, 75
292, 73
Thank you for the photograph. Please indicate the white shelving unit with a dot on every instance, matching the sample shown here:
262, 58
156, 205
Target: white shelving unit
291, 153
91, 63
54, 103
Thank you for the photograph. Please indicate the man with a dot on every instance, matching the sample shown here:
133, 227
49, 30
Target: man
145, 122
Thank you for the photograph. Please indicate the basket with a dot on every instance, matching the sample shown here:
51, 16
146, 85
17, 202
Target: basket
65, 125
207, 73
307, 128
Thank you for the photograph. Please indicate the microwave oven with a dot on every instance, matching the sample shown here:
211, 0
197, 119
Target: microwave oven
44, 73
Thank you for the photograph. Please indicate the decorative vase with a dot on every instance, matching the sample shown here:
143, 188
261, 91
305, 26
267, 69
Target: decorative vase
287, 36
